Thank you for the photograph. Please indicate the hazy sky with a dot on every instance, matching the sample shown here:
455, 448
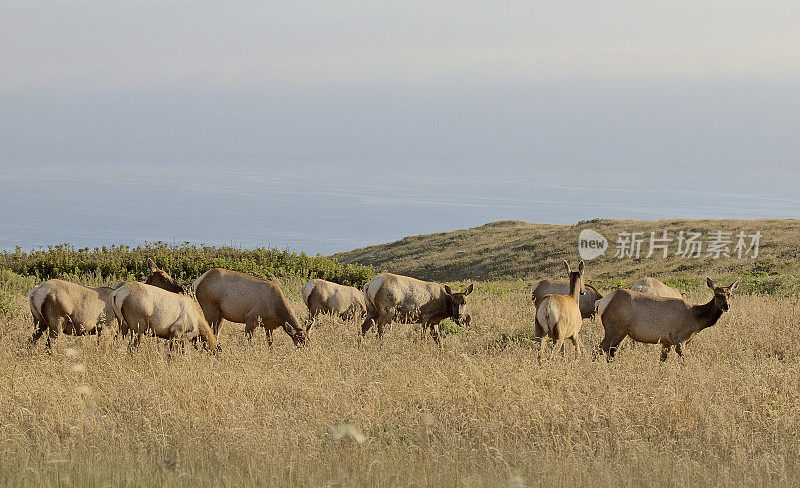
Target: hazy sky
563, 92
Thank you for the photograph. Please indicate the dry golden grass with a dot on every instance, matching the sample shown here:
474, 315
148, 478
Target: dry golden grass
481, 412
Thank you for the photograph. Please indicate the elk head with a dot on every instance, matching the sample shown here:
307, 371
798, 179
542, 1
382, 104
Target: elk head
456, 302
576, 280
161, 279
722, 294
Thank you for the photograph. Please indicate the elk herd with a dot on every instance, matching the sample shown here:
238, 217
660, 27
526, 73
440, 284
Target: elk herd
650, 312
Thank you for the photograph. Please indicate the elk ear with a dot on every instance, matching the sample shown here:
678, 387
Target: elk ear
566, 265
448, 290
581, 267
469, 289
152, 265
710, 283
733, 286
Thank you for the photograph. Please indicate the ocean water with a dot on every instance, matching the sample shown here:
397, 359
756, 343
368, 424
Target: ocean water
326, 206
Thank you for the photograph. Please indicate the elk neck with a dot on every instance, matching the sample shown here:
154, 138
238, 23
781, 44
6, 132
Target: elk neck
707, 314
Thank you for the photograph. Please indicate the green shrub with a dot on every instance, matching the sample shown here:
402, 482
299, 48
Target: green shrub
183, 262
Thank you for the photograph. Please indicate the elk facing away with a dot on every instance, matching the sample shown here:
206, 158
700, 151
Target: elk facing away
657, 320
64, 307
548, 287
326, 297
167, 315
73, 309
559, 316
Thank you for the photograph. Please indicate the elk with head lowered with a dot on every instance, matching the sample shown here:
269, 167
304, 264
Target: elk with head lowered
548, 287
327, 297
145, 308
73, 309
237, 297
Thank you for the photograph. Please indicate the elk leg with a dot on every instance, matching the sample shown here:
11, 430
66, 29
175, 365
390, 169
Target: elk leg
137, 339
542, 345
665, 351
368, 322
577, 345
251, 321
39, 327
269, 337
611, 341
435, 333
538, 331
122, 327
52, 334
559, 346
679, 349
381, 324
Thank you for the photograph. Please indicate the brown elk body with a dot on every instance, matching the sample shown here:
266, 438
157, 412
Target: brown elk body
392, 297
145, 308
658, 320
240, 298
64, 307
323, 296
655, 287
559, 316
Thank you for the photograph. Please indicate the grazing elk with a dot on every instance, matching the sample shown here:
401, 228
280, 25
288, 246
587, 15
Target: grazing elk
64, 307
323, 296
559, 316
655, 287
548, 287
167, 315
407, 300
658, 320
237, 297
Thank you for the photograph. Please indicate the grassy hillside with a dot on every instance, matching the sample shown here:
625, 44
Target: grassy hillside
520, 250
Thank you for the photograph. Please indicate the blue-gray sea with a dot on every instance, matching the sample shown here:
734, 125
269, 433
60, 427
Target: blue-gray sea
325, 206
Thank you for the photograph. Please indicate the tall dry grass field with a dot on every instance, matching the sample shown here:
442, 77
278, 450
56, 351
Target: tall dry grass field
483, 411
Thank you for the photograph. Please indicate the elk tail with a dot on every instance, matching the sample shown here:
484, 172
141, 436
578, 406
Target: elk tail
549, 311
196, 282
36, 308
601, 305
118, 297
306, 291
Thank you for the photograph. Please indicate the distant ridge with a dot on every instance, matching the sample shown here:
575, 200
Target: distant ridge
518, 250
